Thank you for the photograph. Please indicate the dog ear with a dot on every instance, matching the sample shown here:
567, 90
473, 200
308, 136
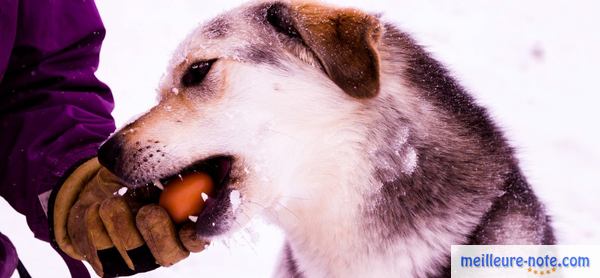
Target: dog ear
343, 40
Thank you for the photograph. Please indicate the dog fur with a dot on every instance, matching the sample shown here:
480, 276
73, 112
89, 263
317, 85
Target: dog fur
345, 133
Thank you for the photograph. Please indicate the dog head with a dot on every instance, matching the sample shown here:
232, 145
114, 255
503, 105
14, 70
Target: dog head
269, 96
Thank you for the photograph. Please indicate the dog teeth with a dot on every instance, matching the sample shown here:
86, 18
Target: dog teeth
122, 191
204, 196
193, 218
158, 184
175, 91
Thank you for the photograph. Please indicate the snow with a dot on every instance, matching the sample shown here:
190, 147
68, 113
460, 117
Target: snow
385, 161
532, 63
235, 199
410, 161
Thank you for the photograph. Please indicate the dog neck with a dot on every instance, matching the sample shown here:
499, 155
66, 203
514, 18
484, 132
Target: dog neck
328, 229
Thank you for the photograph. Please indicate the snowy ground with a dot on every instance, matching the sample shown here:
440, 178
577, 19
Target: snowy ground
533, 63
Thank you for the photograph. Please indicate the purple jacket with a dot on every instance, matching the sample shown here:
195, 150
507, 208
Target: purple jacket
54, 112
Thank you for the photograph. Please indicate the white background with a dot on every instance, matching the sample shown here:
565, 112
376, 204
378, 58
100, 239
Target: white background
533, 63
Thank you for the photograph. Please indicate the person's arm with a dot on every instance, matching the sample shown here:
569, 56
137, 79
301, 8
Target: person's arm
54, 113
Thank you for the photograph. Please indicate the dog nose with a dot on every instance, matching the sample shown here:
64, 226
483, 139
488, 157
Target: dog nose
110, 152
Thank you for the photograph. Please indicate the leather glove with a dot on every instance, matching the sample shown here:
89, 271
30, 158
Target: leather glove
119, 233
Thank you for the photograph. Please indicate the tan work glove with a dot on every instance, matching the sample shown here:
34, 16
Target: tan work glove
92, 219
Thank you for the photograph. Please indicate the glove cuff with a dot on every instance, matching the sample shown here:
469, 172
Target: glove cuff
65, 198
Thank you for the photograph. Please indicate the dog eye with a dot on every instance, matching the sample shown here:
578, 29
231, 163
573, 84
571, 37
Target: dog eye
196, 73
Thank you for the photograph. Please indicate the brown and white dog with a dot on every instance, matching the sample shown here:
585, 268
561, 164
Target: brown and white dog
340, 129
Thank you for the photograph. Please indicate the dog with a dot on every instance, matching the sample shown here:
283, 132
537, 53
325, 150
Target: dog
340, 129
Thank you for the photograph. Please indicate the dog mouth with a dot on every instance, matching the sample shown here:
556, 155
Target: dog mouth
211, 220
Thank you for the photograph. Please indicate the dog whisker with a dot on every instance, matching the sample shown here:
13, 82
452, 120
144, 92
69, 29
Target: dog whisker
288, 210
266, 209
242, 233
283, 133
295, 197
245, 214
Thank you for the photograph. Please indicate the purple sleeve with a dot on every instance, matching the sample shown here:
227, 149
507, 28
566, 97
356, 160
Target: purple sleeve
8, 257
54, 113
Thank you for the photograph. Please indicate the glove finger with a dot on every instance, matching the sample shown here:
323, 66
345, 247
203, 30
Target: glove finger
96, 230
67, 196
101, 186
88, 234
77, 230
109, 183
190, 240
120, 225
158, 231
98, 236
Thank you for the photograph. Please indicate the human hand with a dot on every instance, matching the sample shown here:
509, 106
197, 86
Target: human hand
119, 231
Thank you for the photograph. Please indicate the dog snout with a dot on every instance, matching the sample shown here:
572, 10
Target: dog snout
111, 152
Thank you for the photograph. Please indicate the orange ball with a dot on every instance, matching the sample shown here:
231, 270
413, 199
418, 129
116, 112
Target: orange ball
182, 197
